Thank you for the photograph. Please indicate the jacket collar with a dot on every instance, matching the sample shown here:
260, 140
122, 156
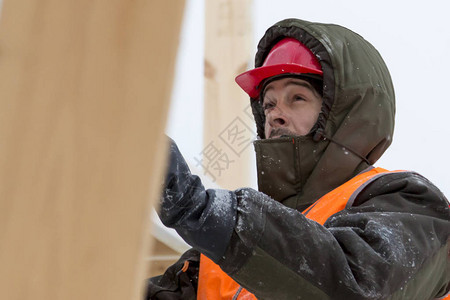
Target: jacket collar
295, 171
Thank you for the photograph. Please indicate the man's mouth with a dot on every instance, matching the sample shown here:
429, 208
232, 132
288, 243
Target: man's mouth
280, 132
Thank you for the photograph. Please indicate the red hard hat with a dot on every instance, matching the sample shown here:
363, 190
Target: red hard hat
288, 56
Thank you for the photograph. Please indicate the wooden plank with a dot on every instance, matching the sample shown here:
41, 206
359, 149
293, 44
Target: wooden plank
84, 93
162, 257
228, 124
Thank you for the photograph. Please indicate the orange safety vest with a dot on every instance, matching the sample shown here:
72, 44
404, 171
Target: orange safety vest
217, 285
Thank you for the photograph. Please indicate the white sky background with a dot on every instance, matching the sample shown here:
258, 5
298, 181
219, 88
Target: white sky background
413, 37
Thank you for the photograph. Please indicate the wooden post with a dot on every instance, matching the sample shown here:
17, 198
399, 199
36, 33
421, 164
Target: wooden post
229, 128
84, 92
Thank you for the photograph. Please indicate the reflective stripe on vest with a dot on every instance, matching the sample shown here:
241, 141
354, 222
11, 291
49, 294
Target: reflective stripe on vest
215, 284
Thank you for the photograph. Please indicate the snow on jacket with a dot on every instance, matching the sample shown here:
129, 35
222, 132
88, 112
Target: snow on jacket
392, 243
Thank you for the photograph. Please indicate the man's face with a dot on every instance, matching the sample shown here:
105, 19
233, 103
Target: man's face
291, 107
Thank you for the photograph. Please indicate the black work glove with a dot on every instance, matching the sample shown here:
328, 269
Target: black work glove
205, 219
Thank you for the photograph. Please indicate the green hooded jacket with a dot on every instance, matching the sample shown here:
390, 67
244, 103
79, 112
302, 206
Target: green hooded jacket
392, 243
357, 115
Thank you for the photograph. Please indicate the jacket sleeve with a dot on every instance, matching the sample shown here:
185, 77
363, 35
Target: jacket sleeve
203, 218
392, 244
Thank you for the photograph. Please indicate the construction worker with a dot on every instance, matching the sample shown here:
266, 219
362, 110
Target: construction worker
325, 223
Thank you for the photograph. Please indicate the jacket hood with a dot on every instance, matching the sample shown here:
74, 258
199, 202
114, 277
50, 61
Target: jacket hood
354, 127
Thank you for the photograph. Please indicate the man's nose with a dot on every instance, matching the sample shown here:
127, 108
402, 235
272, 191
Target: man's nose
277, 118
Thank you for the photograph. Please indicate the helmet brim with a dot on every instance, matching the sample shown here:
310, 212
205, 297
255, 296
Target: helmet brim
250, 81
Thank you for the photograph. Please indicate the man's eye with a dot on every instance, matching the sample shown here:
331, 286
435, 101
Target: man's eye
298, 98
267, 106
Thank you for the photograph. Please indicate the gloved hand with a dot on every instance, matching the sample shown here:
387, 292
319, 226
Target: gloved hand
205, 219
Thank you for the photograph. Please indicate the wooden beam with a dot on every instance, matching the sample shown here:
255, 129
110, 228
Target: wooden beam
228, 124
84, 92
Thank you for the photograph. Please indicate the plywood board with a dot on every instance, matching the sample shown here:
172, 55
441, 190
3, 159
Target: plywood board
84, 91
